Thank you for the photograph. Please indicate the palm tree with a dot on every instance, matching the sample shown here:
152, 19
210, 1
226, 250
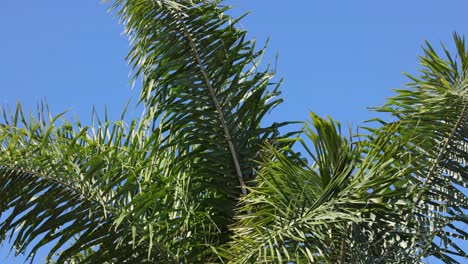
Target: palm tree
200, 178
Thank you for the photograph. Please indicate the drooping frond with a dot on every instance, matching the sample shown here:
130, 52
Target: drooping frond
168, 185
202, 82
192, 180
68, 186
432, 118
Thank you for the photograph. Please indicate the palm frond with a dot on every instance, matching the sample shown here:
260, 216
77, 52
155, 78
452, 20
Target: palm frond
432, 116
325, 212
183, 184
68, 186
170, 183
202, 82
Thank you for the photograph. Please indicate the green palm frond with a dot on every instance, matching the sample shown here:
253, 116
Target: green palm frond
200, 178
327, 212
68, 186
202, 82
169, 184
432, 118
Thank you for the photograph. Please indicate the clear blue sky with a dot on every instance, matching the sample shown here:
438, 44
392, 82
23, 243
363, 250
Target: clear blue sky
336, 57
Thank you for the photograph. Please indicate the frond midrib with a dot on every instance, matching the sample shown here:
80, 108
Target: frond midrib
219, 112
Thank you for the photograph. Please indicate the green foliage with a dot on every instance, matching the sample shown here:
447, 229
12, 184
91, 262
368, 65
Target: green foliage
432, 119
200, 178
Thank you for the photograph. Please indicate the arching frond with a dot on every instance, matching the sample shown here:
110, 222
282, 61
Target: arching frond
68, 186
171, 183
202, 82
322, 212
200, 178
432, 118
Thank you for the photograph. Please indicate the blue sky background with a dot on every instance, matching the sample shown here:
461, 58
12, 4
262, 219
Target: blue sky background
336, 57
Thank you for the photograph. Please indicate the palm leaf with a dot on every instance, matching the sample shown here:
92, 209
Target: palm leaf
208, 97
168, 184
333, 211
67, 186
432, 116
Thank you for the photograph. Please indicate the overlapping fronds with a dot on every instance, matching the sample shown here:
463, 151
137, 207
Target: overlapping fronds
432, 118
202, 83
167, 188
327, 212
69, 186
200, 178
403, 195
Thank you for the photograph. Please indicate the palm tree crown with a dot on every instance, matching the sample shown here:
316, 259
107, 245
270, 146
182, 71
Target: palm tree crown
199, 178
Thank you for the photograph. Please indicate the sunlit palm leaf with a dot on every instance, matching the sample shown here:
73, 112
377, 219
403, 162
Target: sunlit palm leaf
200, 78
432, 116
67, 186
166, 188
170, 188
324, 212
